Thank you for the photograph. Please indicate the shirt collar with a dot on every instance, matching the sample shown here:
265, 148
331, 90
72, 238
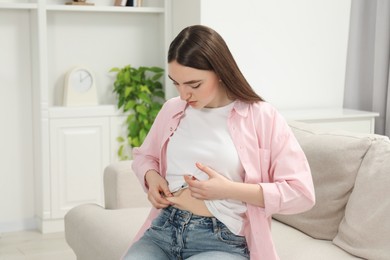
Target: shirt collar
180, 109
240, 107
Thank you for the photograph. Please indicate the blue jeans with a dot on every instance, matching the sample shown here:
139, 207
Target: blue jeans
179, 234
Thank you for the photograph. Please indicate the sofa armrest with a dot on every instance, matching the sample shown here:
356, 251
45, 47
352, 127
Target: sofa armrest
122, 188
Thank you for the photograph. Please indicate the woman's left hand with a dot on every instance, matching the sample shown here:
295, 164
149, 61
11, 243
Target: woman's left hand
215, 188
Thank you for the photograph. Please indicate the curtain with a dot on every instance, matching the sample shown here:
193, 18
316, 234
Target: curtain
367, 78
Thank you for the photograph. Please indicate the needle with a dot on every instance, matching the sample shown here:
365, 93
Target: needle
182, 187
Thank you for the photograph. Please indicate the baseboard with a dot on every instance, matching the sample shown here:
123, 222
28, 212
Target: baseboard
20, 225
43, 226
50, 225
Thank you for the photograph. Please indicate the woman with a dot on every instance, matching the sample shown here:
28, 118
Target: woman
217, 163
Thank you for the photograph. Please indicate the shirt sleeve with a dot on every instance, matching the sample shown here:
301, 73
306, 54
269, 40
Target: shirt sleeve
147, 156
290, 188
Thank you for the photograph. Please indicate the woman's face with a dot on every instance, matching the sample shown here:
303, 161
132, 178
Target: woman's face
200, 88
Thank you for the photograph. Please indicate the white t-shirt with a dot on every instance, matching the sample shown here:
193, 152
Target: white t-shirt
203, 136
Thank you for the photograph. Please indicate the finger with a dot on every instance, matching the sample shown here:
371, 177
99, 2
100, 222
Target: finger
210, 172
192, 182
166, 192
159, 205
157, 200
152, 201
189, 179
162, 205
161, 200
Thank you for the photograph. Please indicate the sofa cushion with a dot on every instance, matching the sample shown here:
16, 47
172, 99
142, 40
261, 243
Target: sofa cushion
334, 159
101, 234
365, 229
291, 243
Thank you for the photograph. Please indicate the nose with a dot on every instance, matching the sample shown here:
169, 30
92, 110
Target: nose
185, 92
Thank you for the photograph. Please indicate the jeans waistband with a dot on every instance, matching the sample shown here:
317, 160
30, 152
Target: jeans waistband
187, 217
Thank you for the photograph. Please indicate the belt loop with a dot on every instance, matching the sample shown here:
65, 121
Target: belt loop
188, 218
173, 213
215, 225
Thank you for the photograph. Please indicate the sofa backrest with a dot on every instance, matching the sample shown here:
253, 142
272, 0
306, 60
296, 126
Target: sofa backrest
122, 188
365, 228
343, 166
334, 159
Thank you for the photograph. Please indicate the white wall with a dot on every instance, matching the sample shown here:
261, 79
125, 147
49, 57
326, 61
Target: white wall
292, 52
16, 172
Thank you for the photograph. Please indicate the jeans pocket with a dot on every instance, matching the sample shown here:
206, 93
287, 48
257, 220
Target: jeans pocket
226, 236
160, 222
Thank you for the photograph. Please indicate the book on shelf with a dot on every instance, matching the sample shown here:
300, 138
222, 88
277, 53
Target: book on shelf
79, 2
120, 2
133, 3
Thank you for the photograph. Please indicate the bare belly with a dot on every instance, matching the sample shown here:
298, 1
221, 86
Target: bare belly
184, 201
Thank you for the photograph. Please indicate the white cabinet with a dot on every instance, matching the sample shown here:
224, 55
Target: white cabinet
79, 151
82, 142
71, 146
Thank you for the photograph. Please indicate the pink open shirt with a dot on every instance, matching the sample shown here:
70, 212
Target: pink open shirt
269, 153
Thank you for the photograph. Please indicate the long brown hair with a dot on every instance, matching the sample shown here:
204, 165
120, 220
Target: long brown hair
201, 47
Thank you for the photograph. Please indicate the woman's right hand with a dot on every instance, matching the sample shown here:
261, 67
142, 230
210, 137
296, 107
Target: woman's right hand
158, 190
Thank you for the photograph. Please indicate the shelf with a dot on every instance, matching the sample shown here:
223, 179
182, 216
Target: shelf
18, 6
101, 8
93, 8
83, 111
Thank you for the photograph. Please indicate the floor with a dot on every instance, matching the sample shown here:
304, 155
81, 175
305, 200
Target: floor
32, 245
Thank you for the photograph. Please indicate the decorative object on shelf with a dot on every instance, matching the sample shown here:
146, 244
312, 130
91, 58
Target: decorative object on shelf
129, 2
124, 2
79, 2
139, 92
79, 87
139, 3
132, 3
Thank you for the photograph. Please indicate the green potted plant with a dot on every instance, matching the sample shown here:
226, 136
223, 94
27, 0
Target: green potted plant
140, 94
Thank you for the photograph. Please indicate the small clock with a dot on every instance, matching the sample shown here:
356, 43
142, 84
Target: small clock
79, 87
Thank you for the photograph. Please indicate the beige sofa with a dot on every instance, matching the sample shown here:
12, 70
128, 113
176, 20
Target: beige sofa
351, 219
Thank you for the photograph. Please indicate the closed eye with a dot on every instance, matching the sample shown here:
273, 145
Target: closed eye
195, 86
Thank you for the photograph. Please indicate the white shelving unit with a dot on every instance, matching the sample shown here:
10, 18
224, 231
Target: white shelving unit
72, 145
18, 6
115, 9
